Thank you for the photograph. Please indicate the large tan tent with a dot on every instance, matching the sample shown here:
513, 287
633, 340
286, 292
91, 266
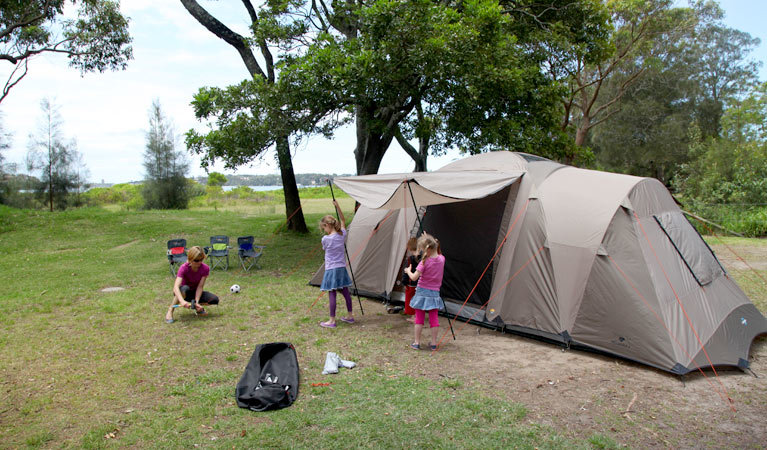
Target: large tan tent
586, 258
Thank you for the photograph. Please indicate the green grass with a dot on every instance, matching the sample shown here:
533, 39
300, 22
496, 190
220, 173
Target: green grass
739, 256
92, 369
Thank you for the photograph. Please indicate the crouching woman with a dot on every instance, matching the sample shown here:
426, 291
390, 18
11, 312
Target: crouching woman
189, 284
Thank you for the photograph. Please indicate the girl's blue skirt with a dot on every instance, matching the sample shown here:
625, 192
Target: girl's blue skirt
335, 279
426, 299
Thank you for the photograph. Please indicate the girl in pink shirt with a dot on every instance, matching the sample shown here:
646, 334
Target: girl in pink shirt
429, 275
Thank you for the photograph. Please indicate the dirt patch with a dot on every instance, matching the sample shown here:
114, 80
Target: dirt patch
112, 289
581, 394
127, 244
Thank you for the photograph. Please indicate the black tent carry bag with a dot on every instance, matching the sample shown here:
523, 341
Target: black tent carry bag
270, 380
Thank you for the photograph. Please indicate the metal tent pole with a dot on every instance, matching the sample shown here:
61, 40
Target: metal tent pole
420, 227
346, 251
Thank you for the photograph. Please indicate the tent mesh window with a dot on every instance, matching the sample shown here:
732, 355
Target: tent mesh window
699, 259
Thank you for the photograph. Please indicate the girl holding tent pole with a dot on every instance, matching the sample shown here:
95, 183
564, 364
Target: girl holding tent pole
335, 278
429, 275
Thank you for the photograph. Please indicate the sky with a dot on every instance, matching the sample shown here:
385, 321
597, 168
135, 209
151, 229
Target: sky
107, 114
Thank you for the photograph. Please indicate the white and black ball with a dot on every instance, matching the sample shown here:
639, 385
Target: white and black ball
235, 289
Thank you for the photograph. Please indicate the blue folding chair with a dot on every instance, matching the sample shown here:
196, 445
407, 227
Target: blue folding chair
248, 252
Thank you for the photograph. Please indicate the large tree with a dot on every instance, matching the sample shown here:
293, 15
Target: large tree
723, 70
96, 40
597, 81
462, 74
449, 74
165, 185
61, 167
272, 24
680, 87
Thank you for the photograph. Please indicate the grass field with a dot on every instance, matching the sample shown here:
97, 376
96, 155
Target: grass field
81, 367
85, 368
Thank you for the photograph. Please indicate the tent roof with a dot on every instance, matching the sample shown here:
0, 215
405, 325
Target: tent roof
393, 191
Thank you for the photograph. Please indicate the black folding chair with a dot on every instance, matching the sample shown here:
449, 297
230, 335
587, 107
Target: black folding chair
248, 252
176, 254
218, 252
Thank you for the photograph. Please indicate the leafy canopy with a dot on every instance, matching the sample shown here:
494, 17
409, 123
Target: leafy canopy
96, 39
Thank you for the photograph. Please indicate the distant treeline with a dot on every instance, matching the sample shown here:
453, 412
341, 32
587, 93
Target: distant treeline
303, 179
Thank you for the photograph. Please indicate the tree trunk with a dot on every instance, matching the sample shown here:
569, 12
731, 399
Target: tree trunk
289, 187
418, 156
371, 145
582, 132
296, 220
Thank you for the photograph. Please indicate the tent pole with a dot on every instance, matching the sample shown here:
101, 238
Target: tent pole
420, 227
346, 251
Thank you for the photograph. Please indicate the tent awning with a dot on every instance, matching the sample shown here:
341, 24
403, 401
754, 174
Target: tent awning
393, 191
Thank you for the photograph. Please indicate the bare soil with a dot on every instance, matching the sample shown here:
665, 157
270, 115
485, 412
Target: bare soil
581, 394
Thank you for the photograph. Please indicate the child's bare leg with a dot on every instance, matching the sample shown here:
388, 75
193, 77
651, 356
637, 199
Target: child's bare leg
417, 331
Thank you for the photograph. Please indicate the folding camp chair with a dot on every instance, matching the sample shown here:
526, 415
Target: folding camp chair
218, 252
249, 253
176, 254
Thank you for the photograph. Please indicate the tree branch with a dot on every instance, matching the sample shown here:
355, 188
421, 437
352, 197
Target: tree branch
323, 26
223, 32
265, 52
409, 149
621, 91
9, 84
25, 21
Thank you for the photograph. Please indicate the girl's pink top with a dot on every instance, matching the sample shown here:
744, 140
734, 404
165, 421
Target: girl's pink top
431, 270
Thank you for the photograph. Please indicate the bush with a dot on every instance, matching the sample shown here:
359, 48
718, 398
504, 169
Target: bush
120, 194
749, 221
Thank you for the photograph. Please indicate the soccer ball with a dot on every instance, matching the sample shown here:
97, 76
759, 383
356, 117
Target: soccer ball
235, 288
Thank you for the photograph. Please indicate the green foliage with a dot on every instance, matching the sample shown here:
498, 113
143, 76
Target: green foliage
689, 81
471, 70
165, 186
216, 179
125, 194
731, 169
95, 41
62, 170
726, 178
194, 189
322, 192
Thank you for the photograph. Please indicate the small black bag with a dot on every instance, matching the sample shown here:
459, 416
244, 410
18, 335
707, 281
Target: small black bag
270, 380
